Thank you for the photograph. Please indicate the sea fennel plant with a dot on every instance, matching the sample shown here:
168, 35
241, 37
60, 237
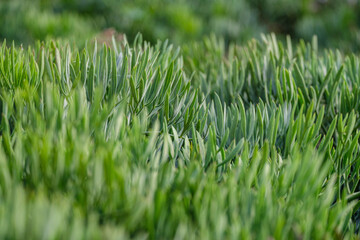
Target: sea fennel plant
137, 141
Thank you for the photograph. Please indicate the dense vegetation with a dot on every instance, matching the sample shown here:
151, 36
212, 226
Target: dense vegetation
248, 141
335, 22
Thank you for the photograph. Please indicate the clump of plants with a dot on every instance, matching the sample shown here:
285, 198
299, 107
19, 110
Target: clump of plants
252, 141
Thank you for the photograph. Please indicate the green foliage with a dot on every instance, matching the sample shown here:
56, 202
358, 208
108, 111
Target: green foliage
335, 22
25, 22
255, 141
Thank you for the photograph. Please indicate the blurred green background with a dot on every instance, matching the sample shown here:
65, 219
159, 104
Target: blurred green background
335, 22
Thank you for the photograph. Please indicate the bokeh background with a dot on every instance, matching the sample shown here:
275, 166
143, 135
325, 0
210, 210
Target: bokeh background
335, 22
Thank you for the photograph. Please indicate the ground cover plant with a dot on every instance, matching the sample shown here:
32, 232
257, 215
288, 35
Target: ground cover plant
207, 141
